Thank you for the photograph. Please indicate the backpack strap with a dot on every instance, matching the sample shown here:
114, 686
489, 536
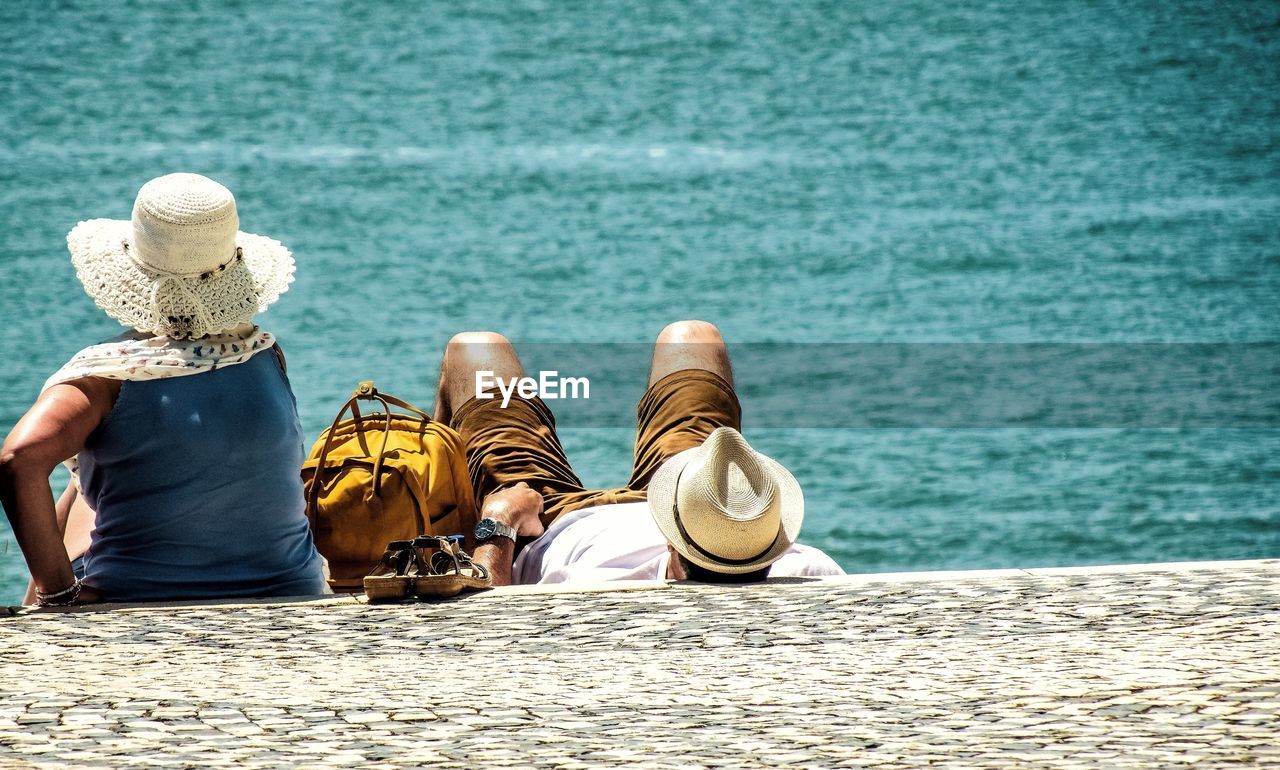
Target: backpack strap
313, 497
369, 392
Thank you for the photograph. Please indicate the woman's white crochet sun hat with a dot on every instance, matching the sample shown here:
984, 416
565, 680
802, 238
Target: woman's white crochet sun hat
725, 506
181, 267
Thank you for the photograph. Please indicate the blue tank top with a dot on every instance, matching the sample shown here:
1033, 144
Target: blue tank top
195, 481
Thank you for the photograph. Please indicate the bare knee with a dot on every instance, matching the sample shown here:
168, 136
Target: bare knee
467, 350
690, 345
478, 338
700, 332
466, 354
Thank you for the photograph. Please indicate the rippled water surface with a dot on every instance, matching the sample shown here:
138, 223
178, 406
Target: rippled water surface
831, 172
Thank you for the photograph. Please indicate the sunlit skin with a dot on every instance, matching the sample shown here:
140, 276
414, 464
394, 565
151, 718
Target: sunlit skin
519, 507
681, 345
76, 519
54, 429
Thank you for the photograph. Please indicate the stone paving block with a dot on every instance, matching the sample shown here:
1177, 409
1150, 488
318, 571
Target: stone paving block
1152, 666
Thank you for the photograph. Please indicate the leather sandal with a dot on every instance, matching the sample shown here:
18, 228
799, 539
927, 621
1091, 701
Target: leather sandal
391, 580
445, 569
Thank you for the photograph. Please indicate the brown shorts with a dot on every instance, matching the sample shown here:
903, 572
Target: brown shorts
519, 442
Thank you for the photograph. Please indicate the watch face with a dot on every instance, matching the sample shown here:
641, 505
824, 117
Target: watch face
486, 528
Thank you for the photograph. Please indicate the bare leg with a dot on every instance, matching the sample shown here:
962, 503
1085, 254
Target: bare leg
690, 345
687, 408
505, 445
466, 354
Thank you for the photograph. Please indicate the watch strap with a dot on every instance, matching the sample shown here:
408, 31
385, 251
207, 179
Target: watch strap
501, 530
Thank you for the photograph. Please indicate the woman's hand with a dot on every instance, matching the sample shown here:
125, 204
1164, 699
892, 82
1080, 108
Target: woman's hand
89, 595
86, 595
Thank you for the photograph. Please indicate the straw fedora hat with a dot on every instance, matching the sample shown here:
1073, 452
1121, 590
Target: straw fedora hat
725, 506
181, 267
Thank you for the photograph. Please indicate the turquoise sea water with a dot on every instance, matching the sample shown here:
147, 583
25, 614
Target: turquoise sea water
809, 171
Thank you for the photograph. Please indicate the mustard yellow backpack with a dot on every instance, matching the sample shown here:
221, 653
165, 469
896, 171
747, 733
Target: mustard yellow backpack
380, 477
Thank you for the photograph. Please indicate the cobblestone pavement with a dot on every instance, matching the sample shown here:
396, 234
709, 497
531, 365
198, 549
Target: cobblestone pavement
1156, 666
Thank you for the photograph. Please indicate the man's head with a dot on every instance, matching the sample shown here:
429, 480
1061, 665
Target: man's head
680, 568
727, 511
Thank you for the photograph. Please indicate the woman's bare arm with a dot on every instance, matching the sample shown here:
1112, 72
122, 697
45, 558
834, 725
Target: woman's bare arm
55, 428
63, 511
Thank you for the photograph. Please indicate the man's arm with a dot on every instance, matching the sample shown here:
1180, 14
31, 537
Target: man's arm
518, 507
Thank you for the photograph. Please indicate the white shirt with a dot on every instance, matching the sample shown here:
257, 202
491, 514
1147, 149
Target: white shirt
622, 542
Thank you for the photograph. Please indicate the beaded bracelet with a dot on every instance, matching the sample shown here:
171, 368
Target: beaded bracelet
63, 598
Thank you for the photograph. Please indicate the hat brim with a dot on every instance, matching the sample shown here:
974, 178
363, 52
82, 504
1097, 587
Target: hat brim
662, 500
123, 290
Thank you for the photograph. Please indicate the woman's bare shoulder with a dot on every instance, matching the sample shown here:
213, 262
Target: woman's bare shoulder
96, 395
94, 388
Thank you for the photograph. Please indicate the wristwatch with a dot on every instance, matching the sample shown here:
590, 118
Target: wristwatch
488, 528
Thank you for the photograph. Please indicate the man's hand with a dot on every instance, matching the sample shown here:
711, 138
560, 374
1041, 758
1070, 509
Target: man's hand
518, 507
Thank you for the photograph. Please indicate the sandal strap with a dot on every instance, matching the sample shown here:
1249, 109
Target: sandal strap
397, 558
446, 558
483, 570
438, 542
460, 559
444, 546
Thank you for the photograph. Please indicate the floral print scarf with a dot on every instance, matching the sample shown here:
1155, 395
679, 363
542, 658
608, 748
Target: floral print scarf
137, 356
